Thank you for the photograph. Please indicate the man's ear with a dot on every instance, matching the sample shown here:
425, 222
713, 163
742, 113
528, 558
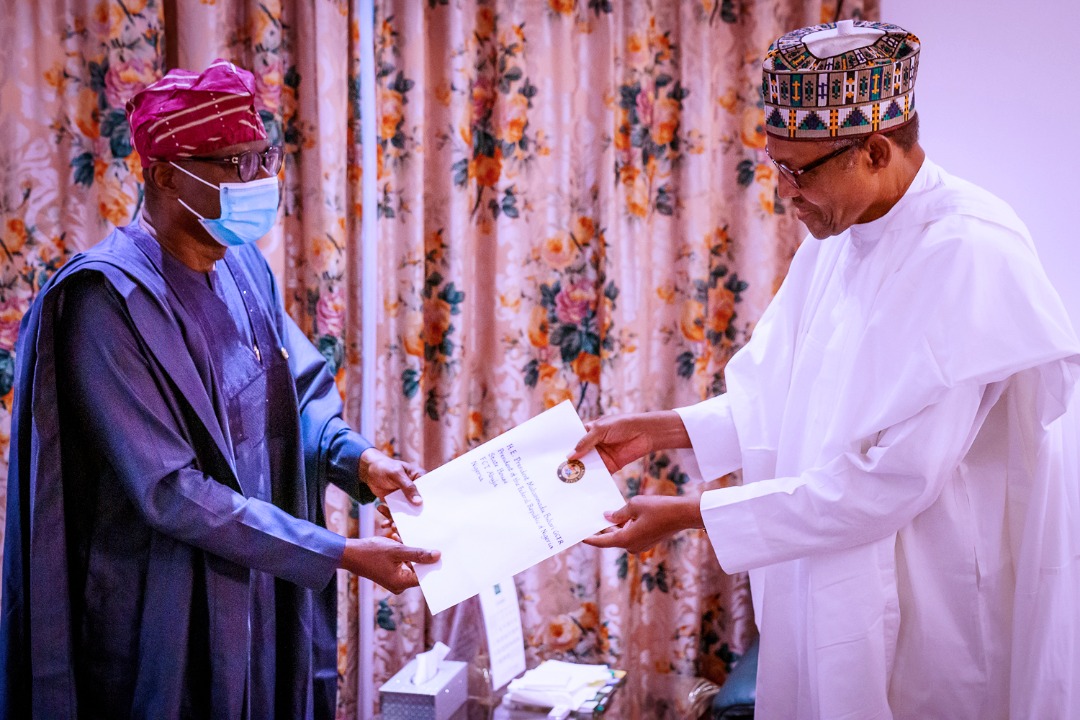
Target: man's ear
880, 150
162, 177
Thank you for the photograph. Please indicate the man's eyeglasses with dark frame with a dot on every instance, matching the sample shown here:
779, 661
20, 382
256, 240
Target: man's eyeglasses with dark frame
247, 163
792, 174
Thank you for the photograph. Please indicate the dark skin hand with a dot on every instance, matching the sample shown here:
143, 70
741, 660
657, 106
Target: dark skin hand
384, 474
645, 520
385, 561
387, 556
622, 439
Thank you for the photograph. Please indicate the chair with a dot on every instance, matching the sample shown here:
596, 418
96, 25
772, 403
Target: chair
735, 701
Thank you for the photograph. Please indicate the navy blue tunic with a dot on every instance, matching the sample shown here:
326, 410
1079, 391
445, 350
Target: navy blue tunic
165, 496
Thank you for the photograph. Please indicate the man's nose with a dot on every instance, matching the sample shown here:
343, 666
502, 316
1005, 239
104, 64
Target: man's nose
785, 188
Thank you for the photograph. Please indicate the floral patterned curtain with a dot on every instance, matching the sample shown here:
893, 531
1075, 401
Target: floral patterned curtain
574, 203
68, 172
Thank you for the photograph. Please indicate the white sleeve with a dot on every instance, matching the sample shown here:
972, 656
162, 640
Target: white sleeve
715, 443
854, 499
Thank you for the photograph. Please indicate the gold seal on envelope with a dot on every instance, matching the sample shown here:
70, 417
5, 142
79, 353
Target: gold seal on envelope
571, 471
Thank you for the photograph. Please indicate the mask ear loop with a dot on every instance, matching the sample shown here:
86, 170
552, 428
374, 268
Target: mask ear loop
204, 182
207, 183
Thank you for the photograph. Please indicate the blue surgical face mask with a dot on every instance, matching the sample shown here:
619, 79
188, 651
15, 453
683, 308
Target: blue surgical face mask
248, 210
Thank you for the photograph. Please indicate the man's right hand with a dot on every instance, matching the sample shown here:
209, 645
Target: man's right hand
385, 561
622, 439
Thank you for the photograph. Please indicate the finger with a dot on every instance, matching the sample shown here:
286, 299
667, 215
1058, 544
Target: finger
620, 516
411, 493
413, 470
586, 443
606, 539
609, 462
405, 580
390, 531
417, 555
384, 510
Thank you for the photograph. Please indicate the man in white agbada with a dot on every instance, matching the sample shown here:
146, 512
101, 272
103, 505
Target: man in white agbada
905, 417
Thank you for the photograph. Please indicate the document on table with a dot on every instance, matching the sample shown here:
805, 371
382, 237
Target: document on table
504, 506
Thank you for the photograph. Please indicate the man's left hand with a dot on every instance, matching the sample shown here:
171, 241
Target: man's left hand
383, 475
645, 520
385, 561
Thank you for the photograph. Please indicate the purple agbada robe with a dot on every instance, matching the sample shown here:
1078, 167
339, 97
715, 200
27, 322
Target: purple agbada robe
173, 433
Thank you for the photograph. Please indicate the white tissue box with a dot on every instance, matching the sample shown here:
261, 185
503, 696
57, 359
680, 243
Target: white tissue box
436, 699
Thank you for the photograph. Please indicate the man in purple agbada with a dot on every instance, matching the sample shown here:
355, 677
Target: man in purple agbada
173, 433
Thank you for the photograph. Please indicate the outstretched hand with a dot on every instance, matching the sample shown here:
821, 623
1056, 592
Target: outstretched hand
622, 439
646, 520
385, 561
383, 475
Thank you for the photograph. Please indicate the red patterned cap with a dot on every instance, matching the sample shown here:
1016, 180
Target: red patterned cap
186, 114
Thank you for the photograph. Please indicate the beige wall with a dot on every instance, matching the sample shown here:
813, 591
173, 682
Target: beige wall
1000, 107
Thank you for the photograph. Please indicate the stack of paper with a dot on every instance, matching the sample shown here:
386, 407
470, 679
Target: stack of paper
556, 683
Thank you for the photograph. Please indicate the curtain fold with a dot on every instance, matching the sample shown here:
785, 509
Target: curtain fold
573, 203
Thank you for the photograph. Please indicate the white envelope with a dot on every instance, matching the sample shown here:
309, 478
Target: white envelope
505, 506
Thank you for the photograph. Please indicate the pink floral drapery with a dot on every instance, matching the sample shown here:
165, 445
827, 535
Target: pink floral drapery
573, 203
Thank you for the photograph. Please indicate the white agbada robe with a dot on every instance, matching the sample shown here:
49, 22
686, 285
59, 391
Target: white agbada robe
910, 513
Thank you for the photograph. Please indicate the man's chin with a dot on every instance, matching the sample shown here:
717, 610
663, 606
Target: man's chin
812, 224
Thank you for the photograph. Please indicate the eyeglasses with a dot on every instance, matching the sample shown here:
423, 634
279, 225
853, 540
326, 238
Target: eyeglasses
792, 174
247, 163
